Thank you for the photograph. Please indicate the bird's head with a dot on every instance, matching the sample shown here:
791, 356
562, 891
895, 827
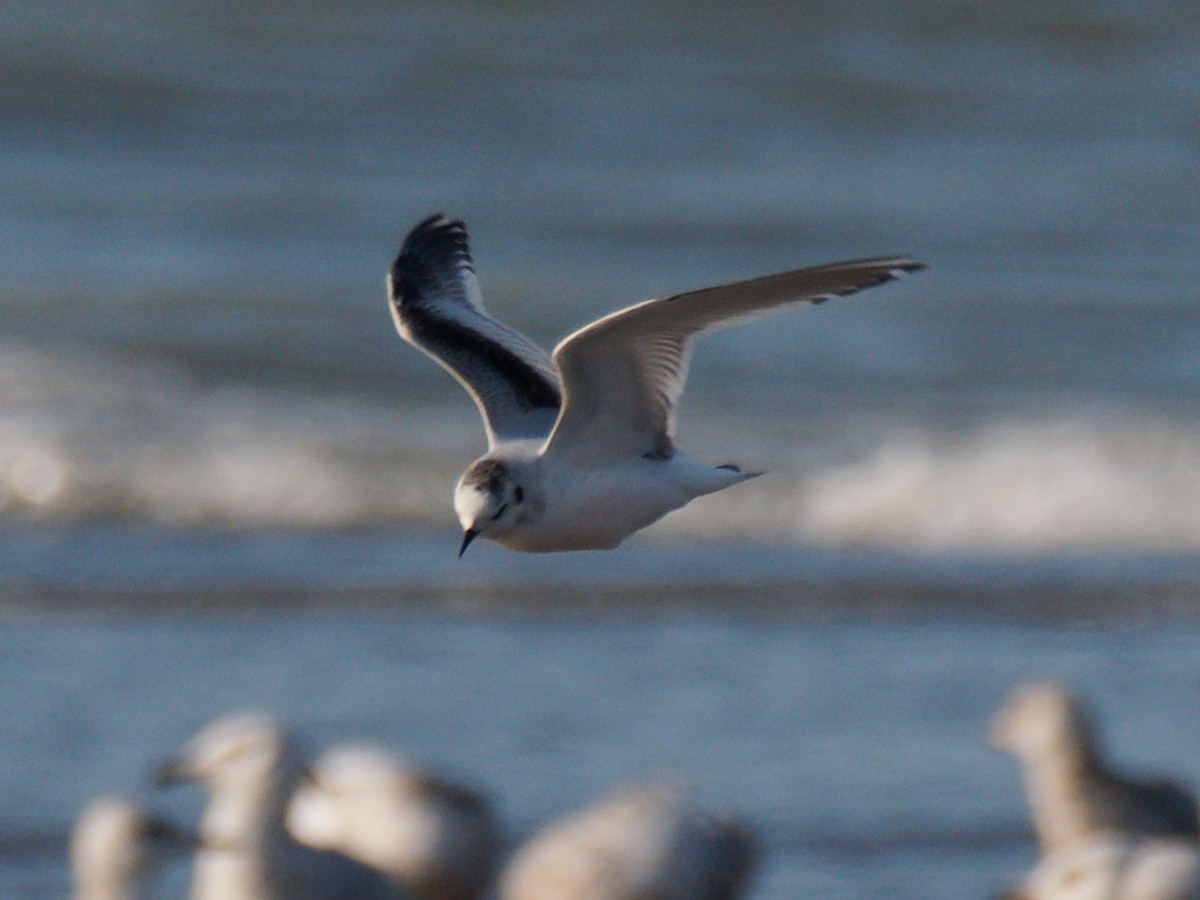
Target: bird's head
490, 500
1041, 718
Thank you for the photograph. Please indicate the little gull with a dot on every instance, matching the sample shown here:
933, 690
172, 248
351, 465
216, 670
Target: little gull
116, 846
642, 842
581, 444
1072, 793
439, 838
251, 768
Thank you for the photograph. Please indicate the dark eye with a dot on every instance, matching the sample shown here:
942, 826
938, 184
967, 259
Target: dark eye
518, 494
499, 512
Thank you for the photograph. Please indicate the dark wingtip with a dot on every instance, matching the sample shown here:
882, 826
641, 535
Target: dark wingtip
896, 269
896, 266
883, 269
431, 221
434, 237
434, 247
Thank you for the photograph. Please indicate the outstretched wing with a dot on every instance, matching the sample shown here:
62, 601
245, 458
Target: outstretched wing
623, 374
438, 308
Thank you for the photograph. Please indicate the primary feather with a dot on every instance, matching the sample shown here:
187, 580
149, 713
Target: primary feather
623, 374
438, 307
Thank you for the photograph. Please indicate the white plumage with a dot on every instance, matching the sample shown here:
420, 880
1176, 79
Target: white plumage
581, 445
640, 843
251, 769
438, 838
1072, 791
1115, 867
116, 846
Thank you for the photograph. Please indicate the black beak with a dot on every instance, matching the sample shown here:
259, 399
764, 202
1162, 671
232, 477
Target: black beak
468, 536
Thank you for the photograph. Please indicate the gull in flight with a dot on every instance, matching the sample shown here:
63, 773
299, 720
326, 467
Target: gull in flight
581, 444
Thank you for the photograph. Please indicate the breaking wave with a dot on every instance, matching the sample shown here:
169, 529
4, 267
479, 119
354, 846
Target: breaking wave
87, 439
1019, 486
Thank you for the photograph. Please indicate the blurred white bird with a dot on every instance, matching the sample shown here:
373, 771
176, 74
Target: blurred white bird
251, 769
438, 838
1072, 793
116, 846
645, 843
1115, 867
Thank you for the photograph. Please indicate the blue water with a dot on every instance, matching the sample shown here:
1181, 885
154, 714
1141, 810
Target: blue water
856, 748
198, 209
209, 429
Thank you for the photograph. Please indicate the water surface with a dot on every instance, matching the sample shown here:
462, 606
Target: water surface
225, 481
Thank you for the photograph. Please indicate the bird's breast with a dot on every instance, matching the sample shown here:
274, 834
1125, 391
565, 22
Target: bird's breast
596, 509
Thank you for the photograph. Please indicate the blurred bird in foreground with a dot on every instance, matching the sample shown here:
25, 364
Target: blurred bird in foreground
1115, 867
636, 844
1072, 792
251, 769
438, 838
116, 847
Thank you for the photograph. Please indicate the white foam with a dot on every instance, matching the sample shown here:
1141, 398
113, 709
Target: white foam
82, 438
1021, 486
88, 438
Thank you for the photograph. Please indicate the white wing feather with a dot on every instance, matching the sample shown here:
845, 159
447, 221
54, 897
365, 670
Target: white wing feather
622, 375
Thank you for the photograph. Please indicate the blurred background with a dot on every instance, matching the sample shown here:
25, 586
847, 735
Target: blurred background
226, 482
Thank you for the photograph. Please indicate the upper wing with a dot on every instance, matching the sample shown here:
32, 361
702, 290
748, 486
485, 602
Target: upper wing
437, 306
623, 374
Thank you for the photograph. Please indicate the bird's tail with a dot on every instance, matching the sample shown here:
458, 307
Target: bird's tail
737, 470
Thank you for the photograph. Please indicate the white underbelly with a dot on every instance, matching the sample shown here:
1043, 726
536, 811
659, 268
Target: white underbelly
597, 510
